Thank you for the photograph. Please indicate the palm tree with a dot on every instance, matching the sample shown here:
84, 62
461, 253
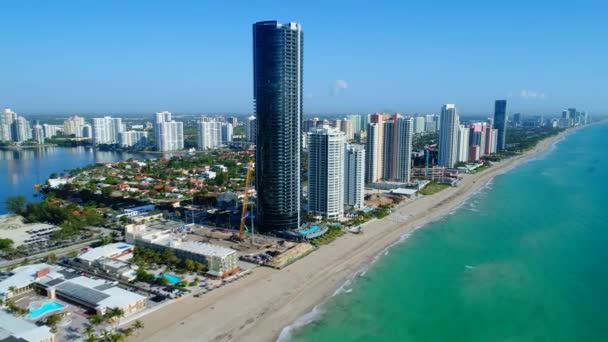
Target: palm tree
128, 332
138, 325
89, 330
95, 319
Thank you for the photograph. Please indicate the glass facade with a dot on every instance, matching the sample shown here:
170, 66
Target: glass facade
500, 122
277, 92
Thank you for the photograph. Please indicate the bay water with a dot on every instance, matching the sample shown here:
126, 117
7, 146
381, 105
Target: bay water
21, 169
525, 259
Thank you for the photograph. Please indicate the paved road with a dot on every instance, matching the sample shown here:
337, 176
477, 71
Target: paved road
58, 252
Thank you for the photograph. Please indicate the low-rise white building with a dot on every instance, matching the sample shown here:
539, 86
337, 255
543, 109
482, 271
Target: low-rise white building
221, 261
111, 259
17, 329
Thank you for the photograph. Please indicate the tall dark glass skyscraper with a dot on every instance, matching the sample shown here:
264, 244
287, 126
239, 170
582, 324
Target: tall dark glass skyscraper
277, 93
500, 123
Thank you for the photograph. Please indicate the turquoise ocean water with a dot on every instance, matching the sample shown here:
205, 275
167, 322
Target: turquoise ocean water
525, 259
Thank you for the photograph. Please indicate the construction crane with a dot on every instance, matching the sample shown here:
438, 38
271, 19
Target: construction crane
245, 200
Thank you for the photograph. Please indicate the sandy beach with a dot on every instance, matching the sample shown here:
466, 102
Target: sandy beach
260, 306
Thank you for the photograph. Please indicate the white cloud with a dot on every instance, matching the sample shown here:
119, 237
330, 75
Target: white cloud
337, 87
532, 95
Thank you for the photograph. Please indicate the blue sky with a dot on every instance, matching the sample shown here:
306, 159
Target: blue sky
359, 56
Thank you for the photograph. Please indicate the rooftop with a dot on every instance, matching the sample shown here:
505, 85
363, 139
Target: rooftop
25, 275
108, 251
14, 328
96, 292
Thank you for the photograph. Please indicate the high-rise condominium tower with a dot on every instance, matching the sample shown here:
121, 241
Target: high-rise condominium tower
107, 130
398, 133
326, 172
169, 134
500, 123
354, 176
448, 136
277, 93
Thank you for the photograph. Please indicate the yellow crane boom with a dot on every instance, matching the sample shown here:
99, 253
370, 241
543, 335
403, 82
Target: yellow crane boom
245, 200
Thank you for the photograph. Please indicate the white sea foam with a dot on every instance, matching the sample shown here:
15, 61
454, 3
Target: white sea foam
304, 320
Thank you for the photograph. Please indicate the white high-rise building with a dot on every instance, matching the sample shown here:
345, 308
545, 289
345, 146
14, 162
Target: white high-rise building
169, 134
355, 119
209, 134
250, 128
326, 172
227, 132
51, 130
6, 120
106, 130
463, 143
133, 138
373, 149
354, 176
430, 124
38, 133
72, 125
448, 136
346, 126
103, 130
419, 124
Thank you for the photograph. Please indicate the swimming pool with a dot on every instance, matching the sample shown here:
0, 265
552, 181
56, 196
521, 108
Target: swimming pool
44, 309
309, 230
172, 279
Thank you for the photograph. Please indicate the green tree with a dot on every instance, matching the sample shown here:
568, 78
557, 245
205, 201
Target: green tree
95, 319
138, 325
51, 258
6, 244
15, 204
52, 321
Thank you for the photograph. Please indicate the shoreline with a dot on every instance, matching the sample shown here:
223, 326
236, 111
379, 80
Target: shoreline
270, 304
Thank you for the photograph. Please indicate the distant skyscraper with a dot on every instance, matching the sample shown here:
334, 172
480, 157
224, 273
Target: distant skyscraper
517, 120
464, 149
251, 129
354, 176
500, 122
232, 120
419, 124
373, 159
169, 134
309, 124
346, 126
277, 92
356, 120
38, 133
397, 149
133, 138
227, 131
20, 129
326, 146
71, 125
106, 130
209, 134
6, 121
448, 136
